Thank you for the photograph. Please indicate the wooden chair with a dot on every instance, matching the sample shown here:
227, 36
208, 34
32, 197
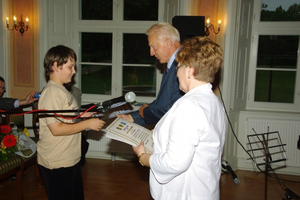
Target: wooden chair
35, 126
35, 120
13, 166
18, 120
10, 167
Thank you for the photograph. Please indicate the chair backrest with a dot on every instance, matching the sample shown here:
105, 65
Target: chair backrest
19, 120
35, 120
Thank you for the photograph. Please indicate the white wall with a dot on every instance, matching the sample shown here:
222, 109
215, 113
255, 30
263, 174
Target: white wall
4, 41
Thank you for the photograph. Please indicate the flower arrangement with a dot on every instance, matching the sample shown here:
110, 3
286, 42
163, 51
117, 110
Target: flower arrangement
14, 140
8, 141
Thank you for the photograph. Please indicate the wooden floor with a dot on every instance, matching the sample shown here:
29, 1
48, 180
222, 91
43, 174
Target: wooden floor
124, 180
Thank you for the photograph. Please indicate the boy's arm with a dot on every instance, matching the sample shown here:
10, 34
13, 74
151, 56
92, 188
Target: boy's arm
60, 128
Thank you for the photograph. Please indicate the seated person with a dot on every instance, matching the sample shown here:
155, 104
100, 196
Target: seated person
12, 103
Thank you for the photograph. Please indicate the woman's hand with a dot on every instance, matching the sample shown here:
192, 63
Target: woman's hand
138, 150
144, 158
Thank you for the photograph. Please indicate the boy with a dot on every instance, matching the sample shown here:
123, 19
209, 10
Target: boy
59, 145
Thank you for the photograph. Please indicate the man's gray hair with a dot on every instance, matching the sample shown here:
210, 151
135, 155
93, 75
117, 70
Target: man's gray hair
164, 30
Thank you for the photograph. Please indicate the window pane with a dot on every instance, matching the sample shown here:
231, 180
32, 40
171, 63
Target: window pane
140, 80
277, 52
146, 10
136, 49
96, 47
96, 9
96, 79
280, 10
275, 86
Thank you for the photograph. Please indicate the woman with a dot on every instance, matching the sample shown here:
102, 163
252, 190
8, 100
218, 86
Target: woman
189, 139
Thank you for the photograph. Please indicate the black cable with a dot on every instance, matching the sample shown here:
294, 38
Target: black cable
234, 132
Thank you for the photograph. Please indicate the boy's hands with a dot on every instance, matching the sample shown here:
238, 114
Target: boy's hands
87, 115
95, 124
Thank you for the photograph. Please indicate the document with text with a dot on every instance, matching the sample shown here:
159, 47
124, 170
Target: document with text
130, 133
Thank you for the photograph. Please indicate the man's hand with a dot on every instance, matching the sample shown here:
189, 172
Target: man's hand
127, 117
141, 110
30, 98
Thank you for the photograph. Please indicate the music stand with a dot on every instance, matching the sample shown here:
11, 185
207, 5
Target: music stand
266, 148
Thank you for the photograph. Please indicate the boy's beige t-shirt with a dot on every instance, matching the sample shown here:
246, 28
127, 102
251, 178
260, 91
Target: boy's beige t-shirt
57, 151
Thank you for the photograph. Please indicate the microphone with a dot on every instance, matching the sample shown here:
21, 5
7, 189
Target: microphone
236, 180
102, 107
128, 97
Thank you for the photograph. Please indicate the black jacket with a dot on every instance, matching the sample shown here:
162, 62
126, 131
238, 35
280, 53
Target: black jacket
7, 103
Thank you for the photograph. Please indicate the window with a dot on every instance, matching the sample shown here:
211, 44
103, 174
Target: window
96, 63
138, 76
113, 51
96, 10
274, 80
280, 10
276, 68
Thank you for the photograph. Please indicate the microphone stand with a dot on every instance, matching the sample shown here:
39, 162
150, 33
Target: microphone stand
263, 139
99, 109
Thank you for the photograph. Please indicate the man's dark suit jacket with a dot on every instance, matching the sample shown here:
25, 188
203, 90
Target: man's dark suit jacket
7, 103
168, 94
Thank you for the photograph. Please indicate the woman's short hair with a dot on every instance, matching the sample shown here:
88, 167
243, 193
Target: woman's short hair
204, 55
60, 54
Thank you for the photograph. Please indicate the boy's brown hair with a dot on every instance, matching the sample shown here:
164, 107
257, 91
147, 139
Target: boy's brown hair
60, 54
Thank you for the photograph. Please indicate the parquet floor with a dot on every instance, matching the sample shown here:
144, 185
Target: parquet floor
124, 180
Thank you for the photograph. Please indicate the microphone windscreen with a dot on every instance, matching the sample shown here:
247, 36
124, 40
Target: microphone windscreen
130, 97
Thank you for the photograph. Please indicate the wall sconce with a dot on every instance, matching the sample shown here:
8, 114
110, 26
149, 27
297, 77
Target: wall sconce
18, 26
211, 27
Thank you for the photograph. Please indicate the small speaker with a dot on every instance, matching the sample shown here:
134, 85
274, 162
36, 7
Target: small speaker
189, 26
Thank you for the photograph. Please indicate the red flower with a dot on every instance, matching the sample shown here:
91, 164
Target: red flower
5, 129
9, 141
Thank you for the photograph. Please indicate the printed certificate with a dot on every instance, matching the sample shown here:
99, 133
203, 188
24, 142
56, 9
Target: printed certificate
130, 133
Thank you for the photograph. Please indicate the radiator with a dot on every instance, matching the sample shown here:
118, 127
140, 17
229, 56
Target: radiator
288, 131
103, 147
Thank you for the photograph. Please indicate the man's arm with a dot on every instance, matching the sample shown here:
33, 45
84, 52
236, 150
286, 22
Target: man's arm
12, 103
169, 93
7, 103
30, 98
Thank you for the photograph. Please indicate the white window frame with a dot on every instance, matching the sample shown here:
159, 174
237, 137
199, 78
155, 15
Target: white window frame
271, 28
117, 27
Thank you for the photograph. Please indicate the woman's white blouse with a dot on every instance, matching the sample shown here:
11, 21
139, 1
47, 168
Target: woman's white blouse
188, 144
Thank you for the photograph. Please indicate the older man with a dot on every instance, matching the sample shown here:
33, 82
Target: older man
164, 42
2, 87
11, 103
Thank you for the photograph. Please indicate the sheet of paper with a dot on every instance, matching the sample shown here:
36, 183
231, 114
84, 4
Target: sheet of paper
130, 133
